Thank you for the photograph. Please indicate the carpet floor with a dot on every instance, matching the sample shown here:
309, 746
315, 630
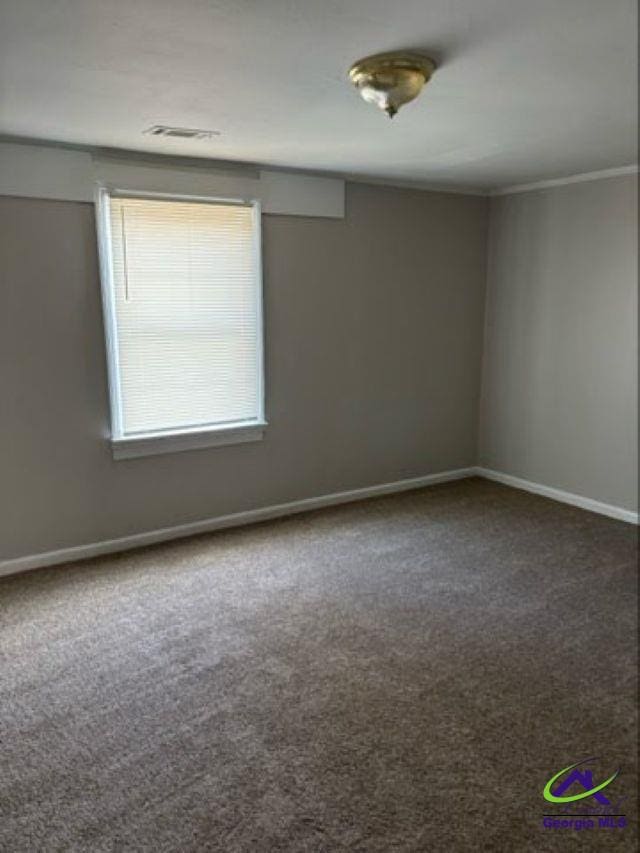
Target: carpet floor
400, 674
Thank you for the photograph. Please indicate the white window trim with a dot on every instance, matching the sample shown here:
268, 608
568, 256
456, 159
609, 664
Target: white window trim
194, 438
152, 444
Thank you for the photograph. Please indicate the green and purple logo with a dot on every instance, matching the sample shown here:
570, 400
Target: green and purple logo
569, 790
582, 777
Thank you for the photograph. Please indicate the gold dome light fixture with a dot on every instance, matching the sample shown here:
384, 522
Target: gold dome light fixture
390, 80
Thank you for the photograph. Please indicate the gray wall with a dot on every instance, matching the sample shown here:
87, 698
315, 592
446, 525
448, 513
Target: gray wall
559, 391
373, 337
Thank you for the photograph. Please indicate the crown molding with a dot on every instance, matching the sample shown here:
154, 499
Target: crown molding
601, 174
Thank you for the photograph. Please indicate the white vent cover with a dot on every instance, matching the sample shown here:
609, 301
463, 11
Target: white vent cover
180, 132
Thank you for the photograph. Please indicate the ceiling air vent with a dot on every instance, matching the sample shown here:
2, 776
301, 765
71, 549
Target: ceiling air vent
180, 132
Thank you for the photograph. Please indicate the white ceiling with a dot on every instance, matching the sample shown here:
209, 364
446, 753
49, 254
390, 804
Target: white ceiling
526, 89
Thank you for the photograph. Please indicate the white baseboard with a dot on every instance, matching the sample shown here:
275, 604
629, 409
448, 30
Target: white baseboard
111, 546
237, 519
559, 495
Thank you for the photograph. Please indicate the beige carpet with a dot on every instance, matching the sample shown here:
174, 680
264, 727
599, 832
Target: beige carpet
402, 674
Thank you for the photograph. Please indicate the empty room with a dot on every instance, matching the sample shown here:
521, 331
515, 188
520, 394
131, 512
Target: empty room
318, 426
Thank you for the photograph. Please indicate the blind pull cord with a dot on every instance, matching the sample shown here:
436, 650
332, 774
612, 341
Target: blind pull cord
124, 255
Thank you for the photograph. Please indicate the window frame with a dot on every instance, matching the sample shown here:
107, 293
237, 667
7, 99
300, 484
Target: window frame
123, 445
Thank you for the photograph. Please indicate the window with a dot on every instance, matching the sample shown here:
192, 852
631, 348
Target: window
183, 315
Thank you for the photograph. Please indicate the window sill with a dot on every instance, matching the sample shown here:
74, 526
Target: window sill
154, 444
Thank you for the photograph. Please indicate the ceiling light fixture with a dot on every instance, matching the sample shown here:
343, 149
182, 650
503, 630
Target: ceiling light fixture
390, 80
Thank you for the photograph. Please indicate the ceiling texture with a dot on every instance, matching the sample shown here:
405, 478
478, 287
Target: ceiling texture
525, 90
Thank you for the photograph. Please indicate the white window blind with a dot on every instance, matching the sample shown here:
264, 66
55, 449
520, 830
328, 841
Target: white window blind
184, 305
